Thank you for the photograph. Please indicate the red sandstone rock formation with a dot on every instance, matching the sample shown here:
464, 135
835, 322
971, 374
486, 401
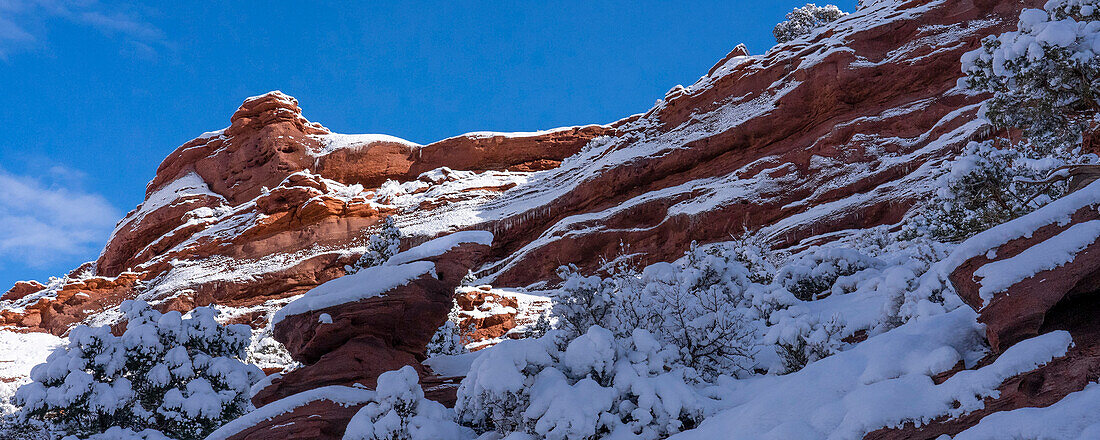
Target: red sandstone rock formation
485, 315
815, 136
274, 205
490, 316
1062, 298
1020, 311
363, 339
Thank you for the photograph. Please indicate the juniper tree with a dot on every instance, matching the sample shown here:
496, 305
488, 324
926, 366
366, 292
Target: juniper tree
381, 246
802, 21
1045, 76
1044, 81
179, 376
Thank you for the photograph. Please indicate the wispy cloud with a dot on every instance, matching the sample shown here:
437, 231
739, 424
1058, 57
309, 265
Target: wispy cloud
25, 23
41, 223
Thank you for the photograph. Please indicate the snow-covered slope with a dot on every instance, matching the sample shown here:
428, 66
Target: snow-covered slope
819, 140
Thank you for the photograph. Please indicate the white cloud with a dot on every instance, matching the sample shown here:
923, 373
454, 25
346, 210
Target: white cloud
24, 23
40, 223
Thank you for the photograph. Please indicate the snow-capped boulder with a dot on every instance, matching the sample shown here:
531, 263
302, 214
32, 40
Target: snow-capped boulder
376, 320
1017, 273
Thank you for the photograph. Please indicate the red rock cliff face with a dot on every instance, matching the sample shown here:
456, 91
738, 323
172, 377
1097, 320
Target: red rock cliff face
834, 133
839, 131
274, 205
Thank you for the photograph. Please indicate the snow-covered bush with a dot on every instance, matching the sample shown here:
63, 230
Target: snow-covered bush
1045, 76
703, 306
583, 301
594, 386
399, 411
381, 246
447, 339
266, 352
802, 338
814, 275
986, 186
180, 376
804, 20
756, 255
13, 427
541, 327
116, 433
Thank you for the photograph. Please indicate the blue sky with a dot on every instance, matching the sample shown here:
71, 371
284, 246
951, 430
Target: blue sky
94, 94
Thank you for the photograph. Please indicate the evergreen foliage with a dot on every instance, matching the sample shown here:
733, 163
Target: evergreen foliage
182, 377
399, 411
381, 246
448, 338
802, 21
1045, 76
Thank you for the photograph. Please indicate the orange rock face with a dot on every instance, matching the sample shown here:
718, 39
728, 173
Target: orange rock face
22, 289
66, 306
490, 316
1020, 311
835, 132
485, 315
274, 205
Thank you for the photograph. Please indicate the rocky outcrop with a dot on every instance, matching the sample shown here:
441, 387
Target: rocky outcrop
1019, 310
319, 419
486, 315
66, 305
490, 316
275, 205
837, 131
353, 343
22, 289
1057, 251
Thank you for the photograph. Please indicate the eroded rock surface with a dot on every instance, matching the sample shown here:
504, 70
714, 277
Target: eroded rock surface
354, 342
837, 131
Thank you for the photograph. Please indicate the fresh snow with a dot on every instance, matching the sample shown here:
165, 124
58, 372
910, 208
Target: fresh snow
367, 283
441, 245
334, 142
515, 134
19, 352
454, 365
1075, 417
1050, 254
884, 381
340, 395
188, 185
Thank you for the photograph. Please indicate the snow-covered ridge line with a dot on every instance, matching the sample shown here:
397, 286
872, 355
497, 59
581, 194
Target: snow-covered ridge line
333, 142
517, 134
188, 185
367, 283
1050, 254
